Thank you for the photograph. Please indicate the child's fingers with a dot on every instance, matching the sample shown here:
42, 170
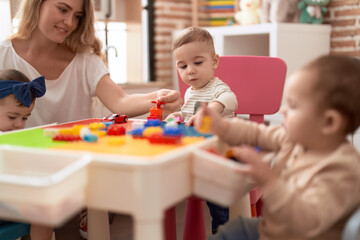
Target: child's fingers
246, 154
197, 121
244, 169
169, 117
191, 121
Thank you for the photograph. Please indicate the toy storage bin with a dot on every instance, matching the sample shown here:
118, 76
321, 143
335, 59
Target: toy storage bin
216, 178
39, 186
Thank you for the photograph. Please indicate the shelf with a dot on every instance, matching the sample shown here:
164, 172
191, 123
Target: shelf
213, 13
296, 44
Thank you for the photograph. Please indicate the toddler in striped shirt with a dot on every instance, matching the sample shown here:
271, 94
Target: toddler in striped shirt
196, 62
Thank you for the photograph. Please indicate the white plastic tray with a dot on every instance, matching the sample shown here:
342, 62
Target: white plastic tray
216, 178
41, 186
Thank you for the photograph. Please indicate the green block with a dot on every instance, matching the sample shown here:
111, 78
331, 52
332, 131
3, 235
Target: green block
29, 138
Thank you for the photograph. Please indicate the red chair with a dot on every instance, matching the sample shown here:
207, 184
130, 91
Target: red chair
258, 83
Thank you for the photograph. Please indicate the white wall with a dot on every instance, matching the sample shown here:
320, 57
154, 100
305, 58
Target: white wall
5, 19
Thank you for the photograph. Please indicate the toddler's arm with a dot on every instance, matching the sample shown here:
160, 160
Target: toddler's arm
237, 131
218, 124
214, 106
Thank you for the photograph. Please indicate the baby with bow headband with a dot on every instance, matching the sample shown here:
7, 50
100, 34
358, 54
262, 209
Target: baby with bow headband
17, 96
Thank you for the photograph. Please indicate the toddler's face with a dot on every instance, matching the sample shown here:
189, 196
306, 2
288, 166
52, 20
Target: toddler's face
302, 118
12, 115
195, 63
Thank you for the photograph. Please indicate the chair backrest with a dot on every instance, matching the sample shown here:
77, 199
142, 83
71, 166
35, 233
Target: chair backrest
352, 227
257, 82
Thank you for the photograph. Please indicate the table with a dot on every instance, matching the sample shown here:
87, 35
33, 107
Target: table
48, 182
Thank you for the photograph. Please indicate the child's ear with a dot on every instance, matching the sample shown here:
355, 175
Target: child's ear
333, 122
216, 61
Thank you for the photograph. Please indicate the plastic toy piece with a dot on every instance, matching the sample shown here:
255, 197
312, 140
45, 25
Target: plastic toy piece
152, 123
137, 125
77, 128
116, 118
107, 124
97, 126
115, 140
229, 155
161, 139
206, 124
90, 138
51, 132
85, 131
173, 132
156, 111
171, 124
177, 120
152, 130
115, 130
137, 133
66, 138
99, 133
67, 131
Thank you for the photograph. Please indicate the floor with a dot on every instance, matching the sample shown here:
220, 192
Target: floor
121, 227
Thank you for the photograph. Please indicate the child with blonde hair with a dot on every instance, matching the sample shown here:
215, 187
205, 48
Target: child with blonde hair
17, 100
312, 185
196, 62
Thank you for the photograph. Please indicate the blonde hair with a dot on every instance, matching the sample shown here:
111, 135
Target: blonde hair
81, 40
194, 34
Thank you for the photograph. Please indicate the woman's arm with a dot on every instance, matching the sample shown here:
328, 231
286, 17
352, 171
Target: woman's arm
118, 101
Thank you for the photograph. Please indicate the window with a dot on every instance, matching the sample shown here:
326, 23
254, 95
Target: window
113, 38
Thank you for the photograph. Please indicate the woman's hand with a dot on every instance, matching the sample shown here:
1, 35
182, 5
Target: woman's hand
172, 98
259, 171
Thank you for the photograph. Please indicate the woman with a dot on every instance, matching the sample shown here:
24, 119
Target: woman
57, 39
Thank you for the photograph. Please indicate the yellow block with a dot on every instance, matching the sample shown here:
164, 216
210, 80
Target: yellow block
206, 125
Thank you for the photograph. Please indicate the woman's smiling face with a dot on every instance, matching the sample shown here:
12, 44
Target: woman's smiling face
59, 18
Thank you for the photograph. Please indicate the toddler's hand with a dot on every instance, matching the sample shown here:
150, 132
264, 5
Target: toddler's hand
172, 115
255, 167
218, 124
192, 119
